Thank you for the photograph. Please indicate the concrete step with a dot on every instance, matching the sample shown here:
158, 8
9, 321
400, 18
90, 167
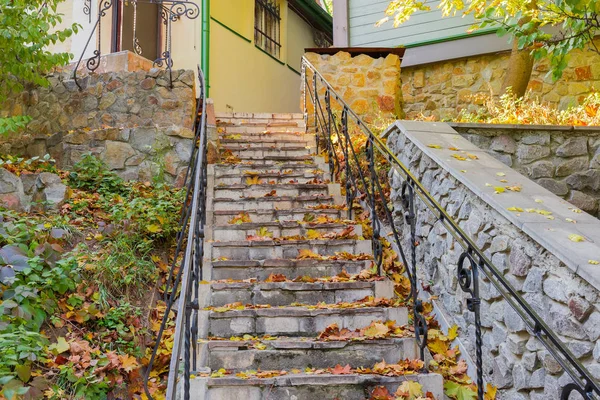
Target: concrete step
291, 268
281, 169
267, 142
266, 151
221, 116
283, 189
285, 293
308, 386
238, 176
258, 134
270, 249
272, 203
290, 353
277, 160
239, 232
270, 215
295, 321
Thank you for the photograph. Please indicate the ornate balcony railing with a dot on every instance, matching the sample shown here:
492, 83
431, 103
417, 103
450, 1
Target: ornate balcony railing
360, 175
185, 274
170, 11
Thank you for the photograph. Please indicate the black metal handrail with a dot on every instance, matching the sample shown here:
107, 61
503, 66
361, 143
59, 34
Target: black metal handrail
472, 261
185, 273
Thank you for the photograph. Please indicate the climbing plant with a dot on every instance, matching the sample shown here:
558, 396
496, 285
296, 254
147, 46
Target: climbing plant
28, 29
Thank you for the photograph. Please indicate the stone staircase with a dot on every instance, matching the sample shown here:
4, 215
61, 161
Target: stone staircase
276, 235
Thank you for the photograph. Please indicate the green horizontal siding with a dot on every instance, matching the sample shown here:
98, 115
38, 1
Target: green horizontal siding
422, 27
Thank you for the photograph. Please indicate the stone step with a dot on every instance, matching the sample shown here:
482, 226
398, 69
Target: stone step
272, 203
260, 190
270, 249
262, 128
295, 321
238, 177
291, 268
256, 135
267, 142
251, 116
290, 353
265, 151
281, 169
239, 232
270, 215
285, 293
277, 160
308, 386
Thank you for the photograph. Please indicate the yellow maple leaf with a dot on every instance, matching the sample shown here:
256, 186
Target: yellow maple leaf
312, 234
409, 390
490, 392
377, 330
594, 262
576, 238
498, 189
434, 146
472, 156
459, 157
128, 363
453, 332
516, 209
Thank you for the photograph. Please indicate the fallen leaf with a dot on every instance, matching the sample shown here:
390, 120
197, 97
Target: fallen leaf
434, 146
339, 370
498, 189
576, 238
517, 209
459, 157
594, 262
500, 174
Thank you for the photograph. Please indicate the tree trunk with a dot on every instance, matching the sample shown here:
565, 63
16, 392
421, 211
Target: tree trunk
519, 70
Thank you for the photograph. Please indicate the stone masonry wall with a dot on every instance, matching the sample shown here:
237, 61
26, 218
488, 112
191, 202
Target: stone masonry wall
564, 160
370, 86
514, 360
444, 88
134, 121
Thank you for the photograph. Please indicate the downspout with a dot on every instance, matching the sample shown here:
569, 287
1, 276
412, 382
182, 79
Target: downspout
205, 43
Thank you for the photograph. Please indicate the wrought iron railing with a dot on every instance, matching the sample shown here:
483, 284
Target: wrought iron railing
185, 274
169, 11
333, 119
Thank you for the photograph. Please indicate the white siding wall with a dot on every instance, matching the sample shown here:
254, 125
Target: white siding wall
421, 27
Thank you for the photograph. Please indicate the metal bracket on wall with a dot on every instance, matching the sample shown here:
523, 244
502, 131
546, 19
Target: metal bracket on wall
170, 11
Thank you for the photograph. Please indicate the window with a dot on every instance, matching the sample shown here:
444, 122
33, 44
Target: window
266, 26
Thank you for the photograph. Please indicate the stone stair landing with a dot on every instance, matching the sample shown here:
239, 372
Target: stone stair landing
262, 306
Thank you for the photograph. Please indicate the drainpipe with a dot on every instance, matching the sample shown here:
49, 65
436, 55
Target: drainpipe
205, 43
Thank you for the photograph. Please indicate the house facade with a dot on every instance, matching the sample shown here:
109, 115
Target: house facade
446, 68
250, 50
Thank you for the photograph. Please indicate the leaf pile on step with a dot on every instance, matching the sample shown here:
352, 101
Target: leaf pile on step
368, 301
408, 390
306, 254
263, 234
375, 330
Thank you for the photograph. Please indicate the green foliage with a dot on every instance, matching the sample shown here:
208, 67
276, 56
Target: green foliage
579, 22
92, 174
123, 266
27, 29
16, 165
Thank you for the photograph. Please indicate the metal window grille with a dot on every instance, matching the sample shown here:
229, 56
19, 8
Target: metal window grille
267, 21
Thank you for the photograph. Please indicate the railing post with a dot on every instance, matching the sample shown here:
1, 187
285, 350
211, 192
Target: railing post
304, 89
315, 109
349, 179
330, 149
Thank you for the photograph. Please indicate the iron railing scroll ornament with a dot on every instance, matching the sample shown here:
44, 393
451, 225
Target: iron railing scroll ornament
87, 9
170, 11
185, 273
363, 183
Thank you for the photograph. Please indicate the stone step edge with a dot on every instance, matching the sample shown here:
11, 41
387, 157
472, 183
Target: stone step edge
299, 343
282, 263
274, 243
264, 186
298, 311
382, 288
285, 224
290, 211
429, 381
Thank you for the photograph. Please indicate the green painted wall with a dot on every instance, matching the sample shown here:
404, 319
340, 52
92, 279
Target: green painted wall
421, 28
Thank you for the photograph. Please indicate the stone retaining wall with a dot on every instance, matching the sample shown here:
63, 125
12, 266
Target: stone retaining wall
563, 159
370, 86
443, 89
533, 253
134, 121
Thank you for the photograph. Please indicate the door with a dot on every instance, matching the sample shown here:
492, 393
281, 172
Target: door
137, 29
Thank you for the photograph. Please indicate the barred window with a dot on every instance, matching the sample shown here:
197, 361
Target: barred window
266, 26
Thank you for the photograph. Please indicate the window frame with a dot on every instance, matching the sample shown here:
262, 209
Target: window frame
267, 27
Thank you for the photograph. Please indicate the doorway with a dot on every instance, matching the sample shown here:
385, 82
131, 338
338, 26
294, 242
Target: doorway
147, 29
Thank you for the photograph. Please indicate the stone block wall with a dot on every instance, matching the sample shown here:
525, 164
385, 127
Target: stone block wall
134, 121
563, 159
370, 86
109, 99
513, 359
443, 89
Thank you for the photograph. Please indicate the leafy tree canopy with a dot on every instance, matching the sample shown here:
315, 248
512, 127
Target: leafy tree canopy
27, 30
577, 21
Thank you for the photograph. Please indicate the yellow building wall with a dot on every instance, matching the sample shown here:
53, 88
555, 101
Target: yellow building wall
242, 76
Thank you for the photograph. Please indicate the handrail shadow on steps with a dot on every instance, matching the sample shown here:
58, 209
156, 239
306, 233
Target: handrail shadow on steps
181, 286
361, 180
